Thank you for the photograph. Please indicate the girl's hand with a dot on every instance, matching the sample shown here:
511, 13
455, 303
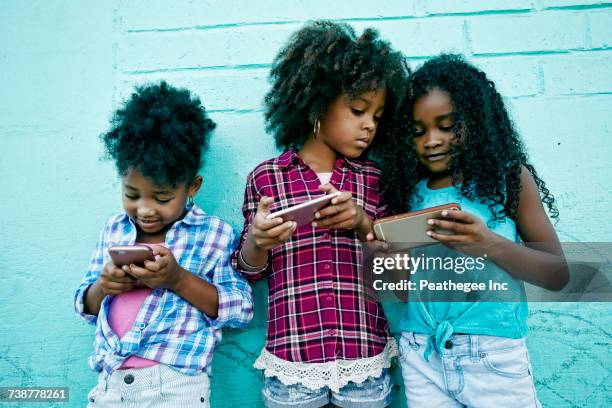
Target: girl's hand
267, 234
164, 272
469, 234
343, 212
113, 280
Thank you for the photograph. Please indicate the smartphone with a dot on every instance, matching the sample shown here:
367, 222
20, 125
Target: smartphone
304, 213
131, 254
409, 230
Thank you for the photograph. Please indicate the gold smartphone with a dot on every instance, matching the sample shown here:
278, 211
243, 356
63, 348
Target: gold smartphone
409, 230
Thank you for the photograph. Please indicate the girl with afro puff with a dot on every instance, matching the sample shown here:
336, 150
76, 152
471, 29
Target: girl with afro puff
157, 323
469, 350
335, 98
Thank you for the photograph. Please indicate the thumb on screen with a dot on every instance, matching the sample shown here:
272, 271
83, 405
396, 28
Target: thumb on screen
264, 204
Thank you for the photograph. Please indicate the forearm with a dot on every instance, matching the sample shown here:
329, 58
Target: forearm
93, 298
253, 255
201, 294
397, 276
546, 269
364, 227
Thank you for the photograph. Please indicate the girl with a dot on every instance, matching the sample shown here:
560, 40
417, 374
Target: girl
464, 149
154, 340
334, 97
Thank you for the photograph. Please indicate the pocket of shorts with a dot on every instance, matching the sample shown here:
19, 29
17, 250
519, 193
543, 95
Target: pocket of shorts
512, 363
92, 396
186, 388
405, 348
204, 396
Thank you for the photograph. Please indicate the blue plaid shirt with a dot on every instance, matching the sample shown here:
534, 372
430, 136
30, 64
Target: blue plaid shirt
168, 329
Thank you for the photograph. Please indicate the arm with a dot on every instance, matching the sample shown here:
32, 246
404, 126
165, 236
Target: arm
201, 294
227, 301
93, 299
165, 272
542, 263
112, 281
221, 295
259, 234
99, 281
397, 275
235, 302
343, 212
88, 311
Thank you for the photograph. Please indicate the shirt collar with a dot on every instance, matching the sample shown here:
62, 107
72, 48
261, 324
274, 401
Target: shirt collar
290, 156
195, 216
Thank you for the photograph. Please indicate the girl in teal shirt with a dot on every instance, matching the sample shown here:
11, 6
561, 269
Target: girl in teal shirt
464, 148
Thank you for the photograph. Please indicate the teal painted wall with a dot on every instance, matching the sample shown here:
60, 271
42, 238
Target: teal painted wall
65, 65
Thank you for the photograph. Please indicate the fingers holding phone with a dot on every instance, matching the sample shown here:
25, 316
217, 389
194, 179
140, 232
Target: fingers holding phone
163, 272
343, 212
115, 280
267, 233
414, 229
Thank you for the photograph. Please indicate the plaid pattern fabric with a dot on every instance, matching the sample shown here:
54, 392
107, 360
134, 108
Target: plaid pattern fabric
317, 308
168, 329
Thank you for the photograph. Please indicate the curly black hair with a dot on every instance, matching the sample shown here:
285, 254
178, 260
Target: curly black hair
321, 61
487, 161
162, 131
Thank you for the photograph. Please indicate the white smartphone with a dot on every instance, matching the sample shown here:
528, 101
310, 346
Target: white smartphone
304, 213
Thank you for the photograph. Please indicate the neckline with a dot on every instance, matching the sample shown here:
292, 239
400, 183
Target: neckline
436, 190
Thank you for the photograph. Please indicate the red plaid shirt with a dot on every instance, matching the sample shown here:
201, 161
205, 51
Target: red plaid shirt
318, 308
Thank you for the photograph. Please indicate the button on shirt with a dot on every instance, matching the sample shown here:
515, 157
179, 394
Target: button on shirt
168, 329
318, 309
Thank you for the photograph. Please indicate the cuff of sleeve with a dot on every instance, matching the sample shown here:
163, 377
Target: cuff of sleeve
251, 274
79, 305
230, 309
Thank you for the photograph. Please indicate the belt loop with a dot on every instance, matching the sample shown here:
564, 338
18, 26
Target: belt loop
474, 353
157, 376
105, 379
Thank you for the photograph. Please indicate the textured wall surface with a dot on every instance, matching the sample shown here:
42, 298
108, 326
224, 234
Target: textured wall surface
65, 65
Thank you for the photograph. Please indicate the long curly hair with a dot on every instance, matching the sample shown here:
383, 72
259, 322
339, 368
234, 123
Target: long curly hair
487, 158
162, 131
322, 61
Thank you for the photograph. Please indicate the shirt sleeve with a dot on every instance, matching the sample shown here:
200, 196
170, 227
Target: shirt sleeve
234, 292
93, 272
381, 204
249, 208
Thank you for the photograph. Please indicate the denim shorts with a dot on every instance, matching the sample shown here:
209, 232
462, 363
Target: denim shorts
374, 392
156, 386
473, 371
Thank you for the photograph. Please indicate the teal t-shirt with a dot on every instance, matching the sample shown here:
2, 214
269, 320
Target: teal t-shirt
481, 313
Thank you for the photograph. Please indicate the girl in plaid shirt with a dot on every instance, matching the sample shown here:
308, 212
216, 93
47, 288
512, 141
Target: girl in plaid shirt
157, 325
335, 97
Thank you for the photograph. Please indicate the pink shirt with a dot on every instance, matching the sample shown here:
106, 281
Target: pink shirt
122, 313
